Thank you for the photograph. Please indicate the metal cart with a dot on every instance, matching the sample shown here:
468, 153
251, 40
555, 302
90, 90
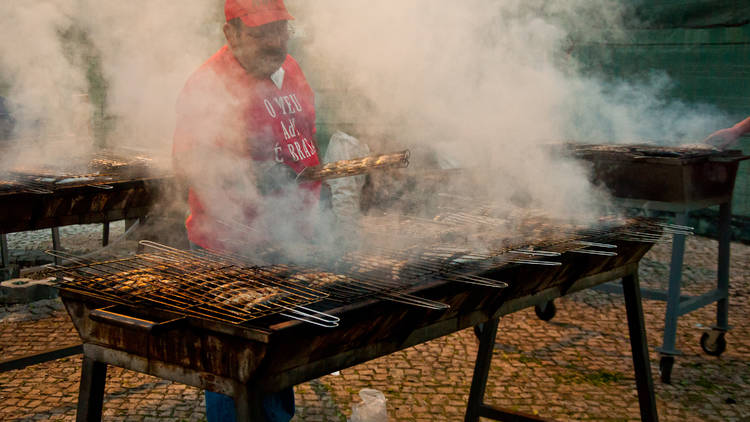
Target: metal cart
678, 180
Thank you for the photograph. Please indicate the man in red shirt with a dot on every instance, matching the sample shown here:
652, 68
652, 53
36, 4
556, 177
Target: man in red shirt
246, 115
243, 115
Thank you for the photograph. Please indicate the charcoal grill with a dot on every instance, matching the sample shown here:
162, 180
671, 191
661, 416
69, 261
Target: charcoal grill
103, 189
670, 178
679, 180
271, 353
44, 198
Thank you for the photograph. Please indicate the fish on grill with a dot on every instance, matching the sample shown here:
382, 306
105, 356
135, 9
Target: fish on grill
318, 280
242, 296
132, 281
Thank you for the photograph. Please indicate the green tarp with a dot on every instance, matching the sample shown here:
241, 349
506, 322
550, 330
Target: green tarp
661, 14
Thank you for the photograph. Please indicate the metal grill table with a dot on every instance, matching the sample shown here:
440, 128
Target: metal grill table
246, 361
677, 180
125, 199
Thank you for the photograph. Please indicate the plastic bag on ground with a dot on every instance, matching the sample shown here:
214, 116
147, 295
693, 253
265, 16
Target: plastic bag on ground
371, 408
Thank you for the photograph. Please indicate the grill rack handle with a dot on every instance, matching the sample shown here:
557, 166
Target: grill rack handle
106, 315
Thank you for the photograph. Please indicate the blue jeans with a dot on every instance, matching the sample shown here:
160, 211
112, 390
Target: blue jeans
277, 407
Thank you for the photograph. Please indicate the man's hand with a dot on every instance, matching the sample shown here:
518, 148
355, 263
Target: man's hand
726, 138
723, 138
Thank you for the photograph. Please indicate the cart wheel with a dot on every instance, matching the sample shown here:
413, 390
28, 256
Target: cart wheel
665, 369
546, 311
713, 343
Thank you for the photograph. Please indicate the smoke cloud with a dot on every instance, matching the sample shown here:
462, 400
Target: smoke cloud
38, 69
490, 84
487, 84
147, 51
140, 51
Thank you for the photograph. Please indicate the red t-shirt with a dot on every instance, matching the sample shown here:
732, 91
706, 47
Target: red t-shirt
229, 119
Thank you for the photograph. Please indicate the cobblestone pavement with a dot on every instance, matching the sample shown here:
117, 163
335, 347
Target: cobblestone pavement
576, 367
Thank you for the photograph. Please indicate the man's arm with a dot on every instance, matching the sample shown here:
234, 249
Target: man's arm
726, 138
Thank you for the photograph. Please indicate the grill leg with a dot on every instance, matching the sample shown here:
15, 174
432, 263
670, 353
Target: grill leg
4, 257
248, 405
105, 233
638, 344
673, 292
56, 243
476, 407
91, 393
725, 235
488, 332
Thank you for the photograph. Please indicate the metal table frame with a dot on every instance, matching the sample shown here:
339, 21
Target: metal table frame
128, 200
248, 396
712, 341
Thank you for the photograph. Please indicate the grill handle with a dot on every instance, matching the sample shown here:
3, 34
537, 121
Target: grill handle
105, 315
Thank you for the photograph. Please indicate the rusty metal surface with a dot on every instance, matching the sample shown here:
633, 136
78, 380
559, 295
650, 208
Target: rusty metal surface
223, 350
378, 328
20, 211
289, 352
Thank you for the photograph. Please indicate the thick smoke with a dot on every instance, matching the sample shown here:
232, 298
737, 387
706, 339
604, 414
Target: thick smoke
489, 83
41, 72
632, 112
141, 52
147, 50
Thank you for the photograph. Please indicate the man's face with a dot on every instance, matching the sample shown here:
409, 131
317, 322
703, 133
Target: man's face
261, 50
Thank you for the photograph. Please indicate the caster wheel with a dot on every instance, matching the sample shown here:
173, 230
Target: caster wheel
546, 311
665, 369
713, 343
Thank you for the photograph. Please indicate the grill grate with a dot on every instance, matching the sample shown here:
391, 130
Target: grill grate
648, 150
99, 170
400, 254
189, 284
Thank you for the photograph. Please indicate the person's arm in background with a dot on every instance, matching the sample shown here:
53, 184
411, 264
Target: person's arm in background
346, 191
725, 138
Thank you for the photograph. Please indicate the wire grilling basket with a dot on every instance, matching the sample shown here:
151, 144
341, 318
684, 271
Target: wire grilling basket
344, 168
192, 284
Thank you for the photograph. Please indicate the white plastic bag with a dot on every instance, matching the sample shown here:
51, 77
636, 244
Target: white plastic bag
371, 408
346, 191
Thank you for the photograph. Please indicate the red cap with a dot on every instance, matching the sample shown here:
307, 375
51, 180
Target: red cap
256, 12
